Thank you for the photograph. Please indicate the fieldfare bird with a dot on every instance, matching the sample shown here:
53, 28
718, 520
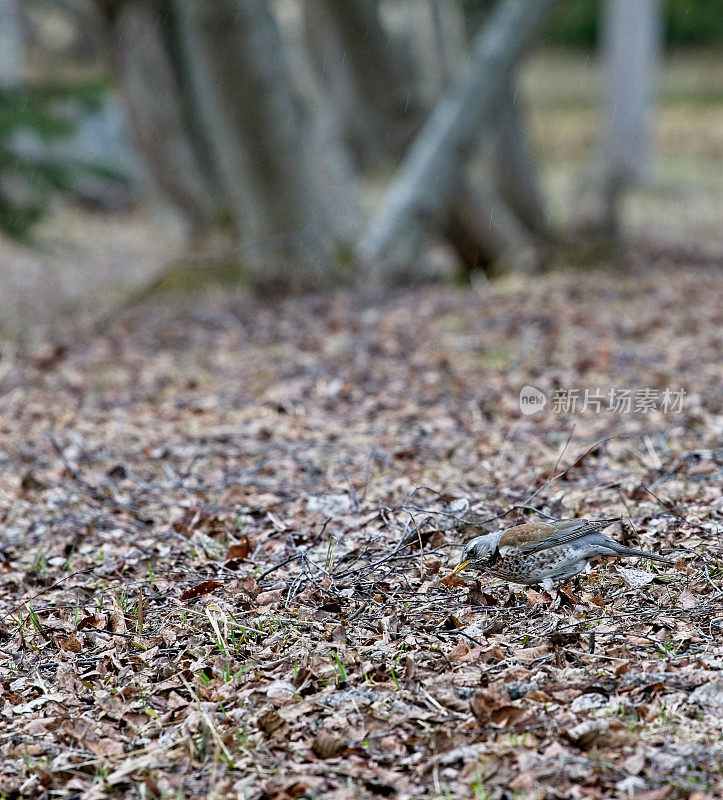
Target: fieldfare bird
544, 552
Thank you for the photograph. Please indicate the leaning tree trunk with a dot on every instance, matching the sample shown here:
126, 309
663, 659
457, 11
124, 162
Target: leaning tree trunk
354, 121
372, 86
260, 140
423, 191
507, 215
511, 161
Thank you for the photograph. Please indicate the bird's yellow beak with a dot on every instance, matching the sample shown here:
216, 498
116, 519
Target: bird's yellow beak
460, 567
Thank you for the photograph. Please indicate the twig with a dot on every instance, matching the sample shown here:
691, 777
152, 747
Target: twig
359, 611
47, 589
673, 510
277, 566
706, 574
94, 491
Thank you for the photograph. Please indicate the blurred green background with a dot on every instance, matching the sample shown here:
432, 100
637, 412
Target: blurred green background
686, 23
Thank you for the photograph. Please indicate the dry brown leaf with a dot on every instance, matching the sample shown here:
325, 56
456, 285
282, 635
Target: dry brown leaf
92, 622
117, 621
271, 722
70, 644
268, 598
451, 623
240, 550
527, 655
686, 599
328, 746
459, 653
493, 709
452, 581
200, 589
586, 733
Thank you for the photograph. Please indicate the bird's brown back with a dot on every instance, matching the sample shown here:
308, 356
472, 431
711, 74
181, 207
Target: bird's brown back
527, 533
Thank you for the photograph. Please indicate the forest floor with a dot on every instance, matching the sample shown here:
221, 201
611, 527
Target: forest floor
228, 526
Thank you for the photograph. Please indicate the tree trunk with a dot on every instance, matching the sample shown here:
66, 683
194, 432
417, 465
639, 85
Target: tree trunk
631, 34
484, 226
259, 138
355, 121
512, 163
12, 45
155, 103
380, 77
350, 50
445, 62
514, 168
424, 188
487, 235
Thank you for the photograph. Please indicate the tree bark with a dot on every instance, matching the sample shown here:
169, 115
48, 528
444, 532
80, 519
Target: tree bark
381, 80
259, 139
155, 104
12, 45
631, 36
424, 188
514, 168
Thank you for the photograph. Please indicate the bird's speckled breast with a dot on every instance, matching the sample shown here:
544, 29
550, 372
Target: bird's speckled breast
518, 567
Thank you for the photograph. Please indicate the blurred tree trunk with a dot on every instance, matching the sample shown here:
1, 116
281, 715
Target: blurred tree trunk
424, 189
631, 43
445, 62
374, 88
512, 163
158, 109
355, 121
227, 138
260, 140
514, 168
12, 44
474, 13
368, 78
508, 214
494, 236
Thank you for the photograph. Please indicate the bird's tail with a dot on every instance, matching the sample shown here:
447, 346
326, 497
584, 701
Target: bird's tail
621, 550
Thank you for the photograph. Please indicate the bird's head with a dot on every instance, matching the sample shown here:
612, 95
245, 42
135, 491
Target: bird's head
477, 551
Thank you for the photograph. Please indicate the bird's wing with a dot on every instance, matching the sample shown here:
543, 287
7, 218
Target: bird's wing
533, 537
